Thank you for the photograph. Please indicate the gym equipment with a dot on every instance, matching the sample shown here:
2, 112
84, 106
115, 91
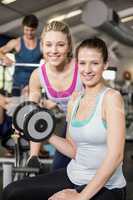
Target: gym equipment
22, 64
28, 118
33, 65
27, 64
35, 123
12, 173
14, 102
15, 168
39, 125
20, 113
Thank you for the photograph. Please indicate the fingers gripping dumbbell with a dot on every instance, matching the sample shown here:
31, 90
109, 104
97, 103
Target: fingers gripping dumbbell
36, 123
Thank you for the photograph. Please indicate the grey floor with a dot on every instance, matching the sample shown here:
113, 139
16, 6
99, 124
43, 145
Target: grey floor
128, 171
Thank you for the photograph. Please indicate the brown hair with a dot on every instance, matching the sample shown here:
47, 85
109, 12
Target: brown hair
95, 43
30, 21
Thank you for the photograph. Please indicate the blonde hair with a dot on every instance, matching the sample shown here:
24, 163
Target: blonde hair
59, 27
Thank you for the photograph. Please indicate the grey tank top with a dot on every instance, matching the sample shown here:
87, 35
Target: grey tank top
90, 136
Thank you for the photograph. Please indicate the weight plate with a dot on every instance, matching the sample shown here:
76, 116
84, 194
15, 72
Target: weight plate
39, 125
20, 113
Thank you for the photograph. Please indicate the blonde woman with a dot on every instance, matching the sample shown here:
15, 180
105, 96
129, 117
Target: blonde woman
58, 77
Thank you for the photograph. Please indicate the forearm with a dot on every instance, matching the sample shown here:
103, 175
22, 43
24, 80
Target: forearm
2, 55
102, 176
35, 97
63, 145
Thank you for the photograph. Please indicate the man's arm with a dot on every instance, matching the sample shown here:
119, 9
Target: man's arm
11, 45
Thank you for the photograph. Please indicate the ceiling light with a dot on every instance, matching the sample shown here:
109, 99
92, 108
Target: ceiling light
126, 15
7, 1
73, 13
58, 18
66, 16
127, 19
125, 12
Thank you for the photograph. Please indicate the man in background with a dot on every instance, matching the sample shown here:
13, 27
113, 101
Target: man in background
27, 49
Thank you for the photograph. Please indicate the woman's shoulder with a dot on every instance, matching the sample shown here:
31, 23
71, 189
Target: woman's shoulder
35, 75
71, 103
73, 99
112, 96
75, 95
112, 92
35, 71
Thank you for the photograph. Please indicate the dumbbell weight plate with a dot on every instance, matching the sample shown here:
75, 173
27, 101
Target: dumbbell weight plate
20, 113
39, 125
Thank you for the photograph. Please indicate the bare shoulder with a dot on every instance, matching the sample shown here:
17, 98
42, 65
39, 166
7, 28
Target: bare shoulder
113, 97
74, 97
12, 44
72, 100
35, 72
17, 44
35, 76
113, 94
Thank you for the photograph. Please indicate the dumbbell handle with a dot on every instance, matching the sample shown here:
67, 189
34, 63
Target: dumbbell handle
15, 137
59, 115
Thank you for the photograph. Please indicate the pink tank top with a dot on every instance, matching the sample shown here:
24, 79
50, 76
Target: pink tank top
60, 97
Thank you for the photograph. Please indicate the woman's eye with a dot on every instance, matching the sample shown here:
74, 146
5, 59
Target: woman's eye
61, 45
95, 63
48, 45
81, 63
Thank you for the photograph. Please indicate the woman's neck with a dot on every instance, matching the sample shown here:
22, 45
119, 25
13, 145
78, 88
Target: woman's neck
93, 91
62, 68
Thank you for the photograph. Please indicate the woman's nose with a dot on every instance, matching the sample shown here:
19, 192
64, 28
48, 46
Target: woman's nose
54, 49
87, 68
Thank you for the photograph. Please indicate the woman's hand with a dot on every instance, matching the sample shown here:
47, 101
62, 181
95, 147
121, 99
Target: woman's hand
66, 194
46, 103
16, 132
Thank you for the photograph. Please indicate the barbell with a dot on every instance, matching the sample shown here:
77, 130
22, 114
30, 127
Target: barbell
36, 123
24, 64
27, 64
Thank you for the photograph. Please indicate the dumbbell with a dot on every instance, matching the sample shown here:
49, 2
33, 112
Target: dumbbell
36, 123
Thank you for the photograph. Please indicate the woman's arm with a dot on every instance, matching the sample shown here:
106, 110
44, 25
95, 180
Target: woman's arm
34, 95
34, 87
115, 118
65, 145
